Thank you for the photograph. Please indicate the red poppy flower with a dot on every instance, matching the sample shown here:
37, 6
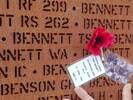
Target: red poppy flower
100, 39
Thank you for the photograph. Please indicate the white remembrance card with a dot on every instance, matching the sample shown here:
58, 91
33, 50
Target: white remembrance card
86, 69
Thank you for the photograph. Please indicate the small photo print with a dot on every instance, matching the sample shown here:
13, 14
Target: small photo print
118, 68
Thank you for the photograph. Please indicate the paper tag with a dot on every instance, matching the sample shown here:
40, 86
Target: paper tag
86, 69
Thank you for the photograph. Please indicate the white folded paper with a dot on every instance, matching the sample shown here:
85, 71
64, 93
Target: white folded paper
86, 69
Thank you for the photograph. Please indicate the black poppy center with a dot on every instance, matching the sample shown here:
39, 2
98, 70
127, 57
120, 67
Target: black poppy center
99, 40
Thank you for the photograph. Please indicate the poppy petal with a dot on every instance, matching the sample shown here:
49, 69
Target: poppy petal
99, 39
